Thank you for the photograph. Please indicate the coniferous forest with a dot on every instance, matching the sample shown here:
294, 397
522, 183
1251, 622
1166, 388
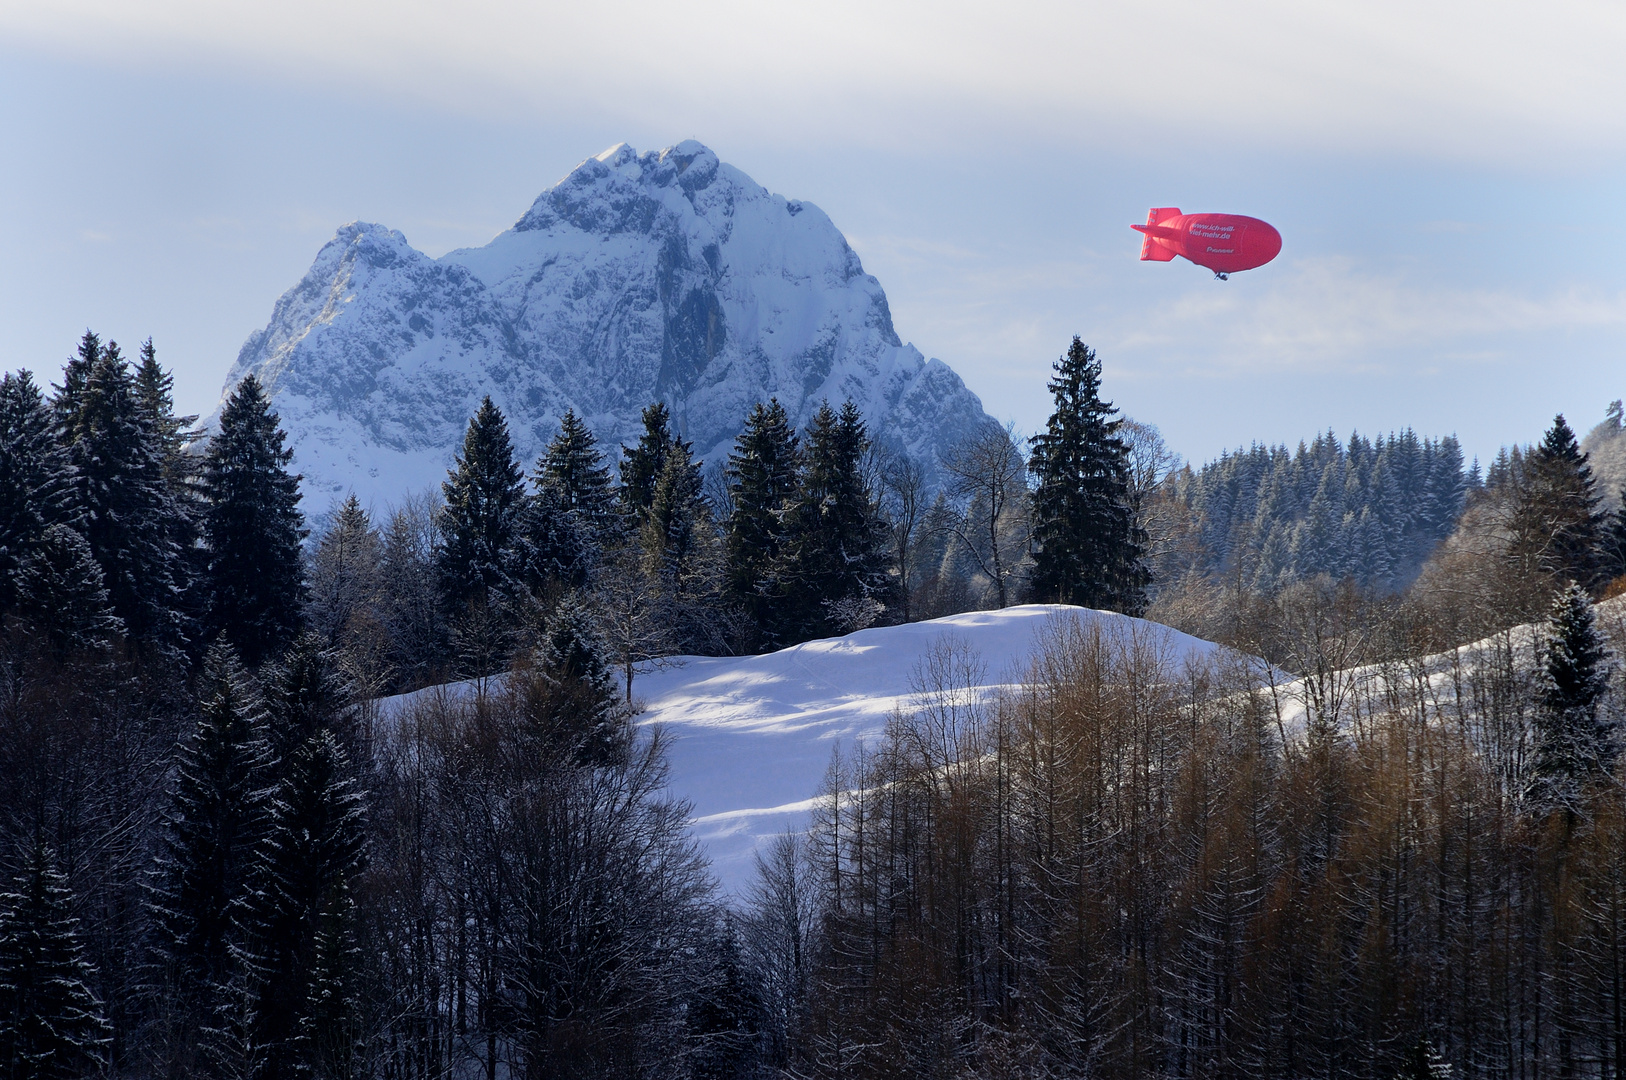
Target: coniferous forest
1382, 834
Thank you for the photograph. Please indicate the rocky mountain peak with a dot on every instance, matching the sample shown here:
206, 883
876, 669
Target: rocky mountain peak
664, 275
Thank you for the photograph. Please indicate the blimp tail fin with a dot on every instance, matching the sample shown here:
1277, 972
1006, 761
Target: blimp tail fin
1150, 249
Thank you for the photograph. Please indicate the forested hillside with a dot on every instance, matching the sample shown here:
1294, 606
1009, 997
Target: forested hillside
1381, 832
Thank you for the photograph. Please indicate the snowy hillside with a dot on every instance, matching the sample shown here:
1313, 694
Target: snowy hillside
639, 277
1443, 687
751, 736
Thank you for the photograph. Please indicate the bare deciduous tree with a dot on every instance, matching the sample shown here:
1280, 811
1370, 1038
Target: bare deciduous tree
988, 477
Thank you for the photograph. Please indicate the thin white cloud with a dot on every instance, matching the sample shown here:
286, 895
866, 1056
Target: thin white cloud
1502, 81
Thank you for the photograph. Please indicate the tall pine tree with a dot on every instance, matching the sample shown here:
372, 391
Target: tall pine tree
641, 465
128, 512
252, 528
485, 496
762, 477
1556, 524
51, 1024
36, 481
836, 555
218, 811
481, 563
573, 469
1087, 544
1576, 740
313, 849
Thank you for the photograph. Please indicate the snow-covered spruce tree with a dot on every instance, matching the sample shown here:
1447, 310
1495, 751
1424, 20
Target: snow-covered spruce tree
559, 554
51, 1024
479, 562
1576, 738
682, 553
574, 470
122, 502
570, 698
1087, 546
1556, 523
155, 389
304, 693
218, 811
328, 1042
293, 923
641, 465
36, 480
252, 529
60, 592
762, 478
836, 557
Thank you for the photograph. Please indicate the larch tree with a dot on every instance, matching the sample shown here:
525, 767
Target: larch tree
1087, 544
252, 529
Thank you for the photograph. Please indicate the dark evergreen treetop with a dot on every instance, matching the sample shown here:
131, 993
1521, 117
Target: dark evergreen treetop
673, 534
1087, 544
129, 514
1556, 520
571, 700
837, 548
155, 389
252, 529
68, 397
61, 591
573, 468
485, 496
36, 481
762, 478
304, 694
51, 1024
641, 464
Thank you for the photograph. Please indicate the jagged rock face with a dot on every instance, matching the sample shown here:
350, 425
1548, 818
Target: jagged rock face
639, 277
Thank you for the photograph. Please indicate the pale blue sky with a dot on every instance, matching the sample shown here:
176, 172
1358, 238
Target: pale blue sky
1453, 216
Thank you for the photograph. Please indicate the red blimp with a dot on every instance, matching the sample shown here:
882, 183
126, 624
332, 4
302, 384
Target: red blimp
1224, 243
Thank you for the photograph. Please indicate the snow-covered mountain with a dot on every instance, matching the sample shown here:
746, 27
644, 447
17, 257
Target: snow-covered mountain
638, 277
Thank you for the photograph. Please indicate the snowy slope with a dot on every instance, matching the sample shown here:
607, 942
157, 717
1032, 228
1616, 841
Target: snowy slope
751, 737
638, 277
1439, 686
